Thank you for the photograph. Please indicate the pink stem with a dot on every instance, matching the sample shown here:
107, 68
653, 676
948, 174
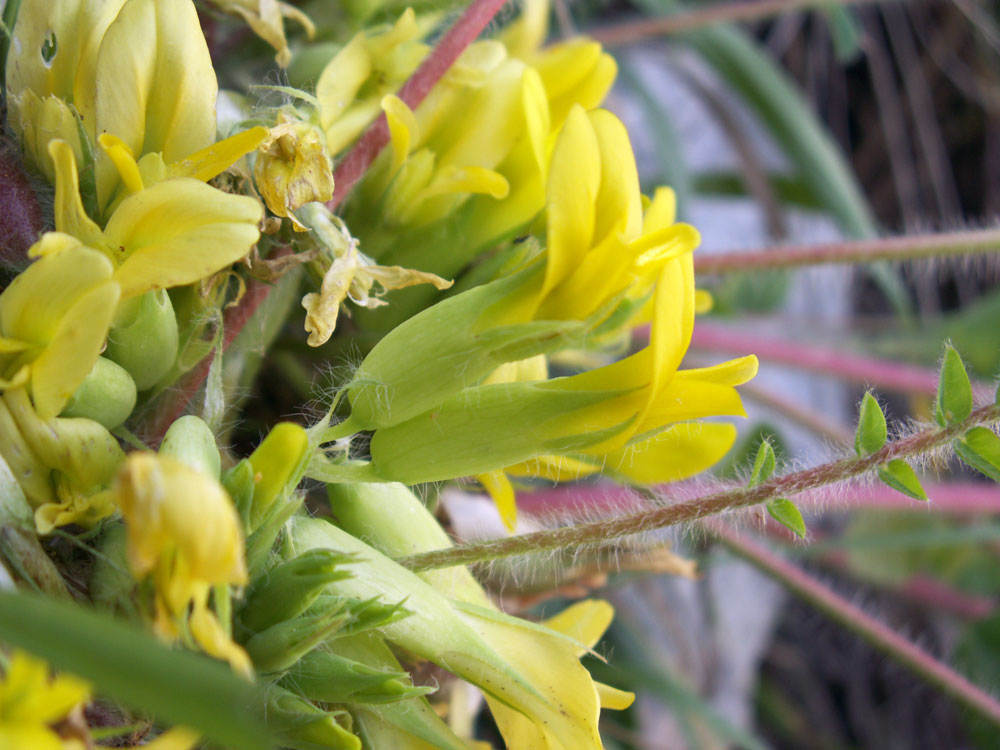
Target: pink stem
866, 627
956, 498
461, 35
911, 247
861, 369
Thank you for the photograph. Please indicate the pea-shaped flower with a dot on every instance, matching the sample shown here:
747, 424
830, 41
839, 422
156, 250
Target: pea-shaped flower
184, 533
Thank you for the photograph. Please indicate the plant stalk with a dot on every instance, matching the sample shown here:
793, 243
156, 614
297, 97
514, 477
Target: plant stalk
610, 529
913, 247
866, 627
676, 23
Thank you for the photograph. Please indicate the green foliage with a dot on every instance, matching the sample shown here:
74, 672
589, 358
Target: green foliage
784, 512
954, 396
763, 465
980, 449
871, 433
130, 665
901, 477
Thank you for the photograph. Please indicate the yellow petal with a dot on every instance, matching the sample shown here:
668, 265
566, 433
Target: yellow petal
554, 468
684, 399
339, 82
75, 345
613, 698
732, 372
619, 205
574, 179
69, 214
676, 453
502, 492
143, 95
403, 128
215, 159
180, 231
208, 632
584, 621
178, 738
662, 210
123, 159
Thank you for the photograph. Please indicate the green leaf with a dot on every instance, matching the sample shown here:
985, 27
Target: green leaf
131, 666
980, 449
954, 397
763, 465
871, 433
784, 512
898, 475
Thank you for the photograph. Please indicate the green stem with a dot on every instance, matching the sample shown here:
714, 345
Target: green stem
864, 626
915, 247
610, 529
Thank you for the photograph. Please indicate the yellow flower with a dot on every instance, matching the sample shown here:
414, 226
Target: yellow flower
117, 63
293, 168
32, 702
184, 532
54, 318
266, 19
371, 65
172, 229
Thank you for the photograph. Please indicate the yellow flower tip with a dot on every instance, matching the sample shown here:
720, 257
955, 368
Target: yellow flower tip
180, 518
293, 168
502, 491
124, 160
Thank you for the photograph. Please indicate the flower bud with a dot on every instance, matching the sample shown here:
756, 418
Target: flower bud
327, 677
143, 338
299, 724
278, 460
107, 395
192, 442
288, 589
282, 645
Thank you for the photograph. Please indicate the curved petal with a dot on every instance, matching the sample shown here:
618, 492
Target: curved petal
180, 231
676, 453
143, 95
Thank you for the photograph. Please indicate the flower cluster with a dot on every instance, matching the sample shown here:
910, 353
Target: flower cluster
500, 233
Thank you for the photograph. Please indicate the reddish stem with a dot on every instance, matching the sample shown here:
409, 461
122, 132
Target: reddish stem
956, 498
452, 44
862, 369
866, 627
912, 247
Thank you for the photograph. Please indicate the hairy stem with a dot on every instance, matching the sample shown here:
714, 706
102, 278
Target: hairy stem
675, 23
870, 630
461, 35
861, 369
610, 529
914, 247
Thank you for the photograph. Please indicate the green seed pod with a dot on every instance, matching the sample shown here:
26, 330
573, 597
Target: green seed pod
298, 724
191, 441
288, 589
282, 645
143, 338
107, 395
